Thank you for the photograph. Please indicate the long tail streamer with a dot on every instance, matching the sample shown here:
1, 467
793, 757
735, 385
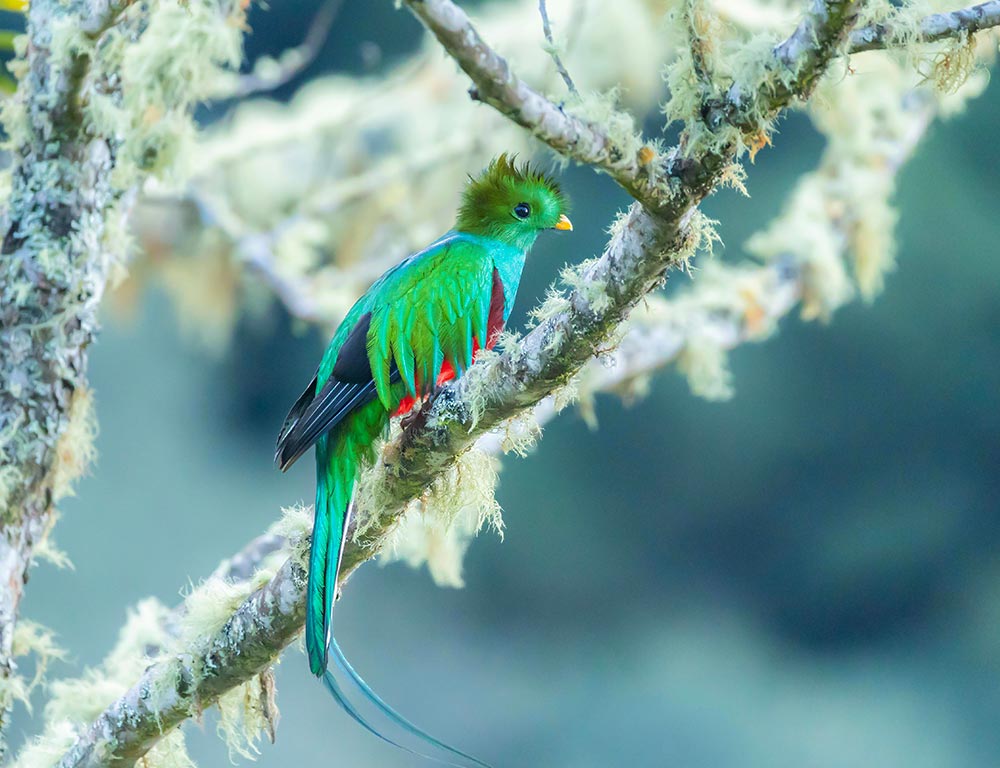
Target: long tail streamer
366, 690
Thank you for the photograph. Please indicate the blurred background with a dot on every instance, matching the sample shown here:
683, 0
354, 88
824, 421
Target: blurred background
807, 575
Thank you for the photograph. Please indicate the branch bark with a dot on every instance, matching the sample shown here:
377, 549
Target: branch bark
292, 63
496, 84
658, 231
172, 691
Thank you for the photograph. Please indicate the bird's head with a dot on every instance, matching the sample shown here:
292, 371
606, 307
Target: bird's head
512, 204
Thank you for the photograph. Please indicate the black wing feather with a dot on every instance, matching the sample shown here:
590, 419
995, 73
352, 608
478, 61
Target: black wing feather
349, 387
335, 400
296, 411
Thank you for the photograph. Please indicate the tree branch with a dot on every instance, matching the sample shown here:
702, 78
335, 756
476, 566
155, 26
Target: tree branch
270, 74
543, 11
794, 68
937, 26
171, 691
494, 83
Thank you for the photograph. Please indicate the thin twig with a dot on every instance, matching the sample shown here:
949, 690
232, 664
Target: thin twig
937, 26
553, 51
696, 26
292, 62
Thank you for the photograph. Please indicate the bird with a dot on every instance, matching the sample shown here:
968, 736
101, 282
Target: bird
420, 325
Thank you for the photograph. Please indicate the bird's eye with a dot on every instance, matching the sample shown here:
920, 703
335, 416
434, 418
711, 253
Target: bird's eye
522, 210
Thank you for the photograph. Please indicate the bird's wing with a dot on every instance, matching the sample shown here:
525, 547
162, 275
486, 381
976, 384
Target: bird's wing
435, 310
348, 386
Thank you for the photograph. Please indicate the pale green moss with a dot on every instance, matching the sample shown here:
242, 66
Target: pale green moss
212, 603
701, 237
484, 380
953, 67
438, 529
520, 434
295, 525
81, 699
14, 688
704, 362
31, 638
46, 750
734, 176
247, 713
169, 752
566, 395
75, 449
176, 60
619, 126
554, 304
593, 291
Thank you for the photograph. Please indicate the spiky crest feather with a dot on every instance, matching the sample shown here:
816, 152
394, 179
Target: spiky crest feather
488, 202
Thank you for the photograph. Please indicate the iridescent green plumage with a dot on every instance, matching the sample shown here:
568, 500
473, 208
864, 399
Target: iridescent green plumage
419, 324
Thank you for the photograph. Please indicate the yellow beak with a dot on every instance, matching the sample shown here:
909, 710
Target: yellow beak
564, 223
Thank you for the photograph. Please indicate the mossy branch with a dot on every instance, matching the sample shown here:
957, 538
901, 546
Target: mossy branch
931, 29
496, 84
171, 691
791, 72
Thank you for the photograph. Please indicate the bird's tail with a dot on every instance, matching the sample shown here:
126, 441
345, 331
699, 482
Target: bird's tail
334, 487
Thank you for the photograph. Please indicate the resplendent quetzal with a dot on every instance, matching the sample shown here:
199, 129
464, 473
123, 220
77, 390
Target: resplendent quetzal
418, 326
